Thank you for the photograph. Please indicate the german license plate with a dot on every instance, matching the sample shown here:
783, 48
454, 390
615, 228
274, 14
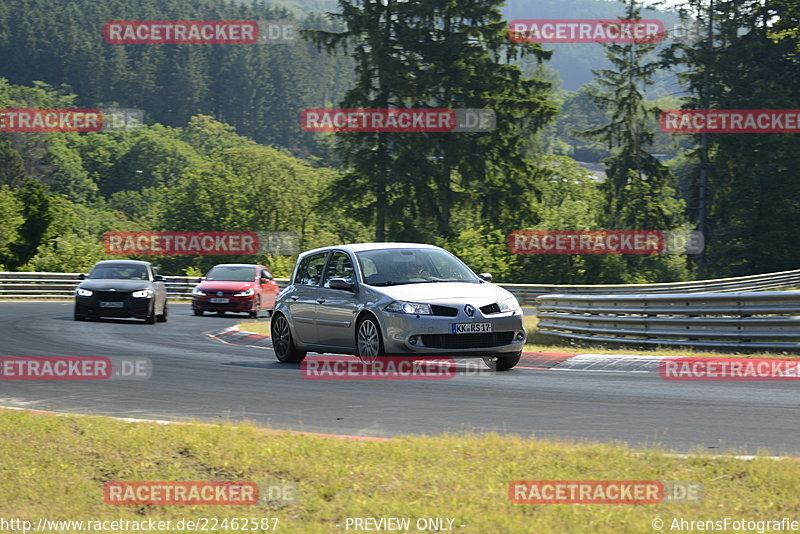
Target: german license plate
112, 304
219, 301
471, 328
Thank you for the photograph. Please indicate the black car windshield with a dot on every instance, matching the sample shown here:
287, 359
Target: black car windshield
119, 271
231, 273
388, 267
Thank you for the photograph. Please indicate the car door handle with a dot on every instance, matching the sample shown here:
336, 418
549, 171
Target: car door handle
321, 301
294, 298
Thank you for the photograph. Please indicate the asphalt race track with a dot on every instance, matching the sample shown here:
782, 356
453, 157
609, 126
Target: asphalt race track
195, 376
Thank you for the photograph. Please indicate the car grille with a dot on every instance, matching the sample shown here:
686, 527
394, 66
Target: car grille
490, 309
444, 311
224, 293
467, 341
112, 296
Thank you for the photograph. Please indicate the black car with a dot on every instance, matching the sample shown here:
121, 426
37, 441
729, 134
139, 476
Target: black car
122, 288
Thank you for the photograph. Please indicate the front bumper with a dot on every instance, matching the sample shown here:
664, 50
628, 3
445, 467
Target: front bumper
234, 304
433, 334
138, 308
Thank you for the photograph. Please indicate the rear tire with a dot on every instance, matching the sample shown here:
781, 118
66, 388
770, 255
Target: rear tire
369, 342
163, 317
282, 342
505, 362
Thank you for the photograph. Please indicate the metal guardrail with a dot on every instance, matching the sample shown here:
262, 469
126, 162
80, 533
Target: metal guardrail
40, 285
527, 293
50, 285
743, 320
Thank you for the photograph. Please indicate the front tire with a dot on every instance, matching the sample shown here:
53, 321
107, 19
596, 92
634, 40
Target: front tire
505, 362
369, 342
282, 342
255, 310
151, 317
78, 317
163, 317
199, 313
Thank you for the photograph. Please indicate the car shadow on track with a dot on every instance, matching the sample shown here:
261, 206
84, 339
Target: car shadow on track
112, 320
266, 365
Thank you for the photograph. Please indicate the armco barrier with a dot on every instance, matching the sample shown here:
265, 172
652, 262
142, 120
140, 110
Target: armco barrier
527, 293
19, 285
50, 285
746, 320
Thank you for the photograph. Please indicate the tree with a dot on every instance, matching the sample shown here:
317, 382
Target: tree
748, 181
434, 54
638, 186
37, 215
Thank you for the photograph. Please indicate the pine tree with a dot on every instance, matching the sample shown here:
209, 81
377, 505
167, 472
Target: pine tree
638, 185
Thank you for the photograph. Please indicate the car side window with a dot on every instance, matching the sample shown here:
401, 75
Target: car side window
310, 271
340, 266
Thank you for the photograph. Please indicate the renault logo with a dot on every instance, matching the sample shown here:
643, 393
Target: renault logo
469, 310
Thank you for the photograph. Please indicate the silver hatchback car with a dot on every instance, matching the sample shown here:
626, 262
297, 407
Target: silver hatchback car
395, 299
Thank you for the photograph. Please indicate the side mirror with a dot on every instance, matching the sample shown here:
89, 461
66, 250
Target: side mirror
201, 279
81, 276
340, 283
158, 278
486, 277
264, 280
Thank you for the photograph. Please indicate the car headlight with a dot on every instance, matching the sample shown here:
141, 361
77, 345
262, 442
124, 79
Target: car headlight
509, 304
143, 294
246, 293
83, 292
412, 308
198, 292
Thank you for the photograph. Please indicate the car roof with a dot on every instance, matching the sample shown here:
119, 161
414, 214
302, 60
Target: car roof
135, 262
361, 247
237, 265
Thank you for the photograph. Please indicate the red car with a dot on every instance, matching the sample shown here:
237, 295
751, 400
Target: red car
236, 287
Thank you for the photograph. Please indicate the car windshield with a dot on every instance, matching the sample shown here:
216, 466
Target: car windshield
388, 267
119, 271
231, 273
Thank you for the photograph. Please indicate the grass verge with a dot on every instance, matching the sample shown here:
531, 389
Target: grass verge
55, 467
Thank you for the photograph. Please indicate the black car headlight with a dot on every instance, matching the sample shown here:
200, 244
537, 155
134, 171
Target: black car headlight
142, 294
83, 292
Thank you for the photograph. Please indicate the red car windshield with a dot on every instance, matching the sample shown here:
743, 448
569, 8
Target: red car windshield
229, 273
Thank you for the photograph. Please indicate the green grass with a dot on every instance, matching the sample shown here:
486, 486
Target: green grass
55, 467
